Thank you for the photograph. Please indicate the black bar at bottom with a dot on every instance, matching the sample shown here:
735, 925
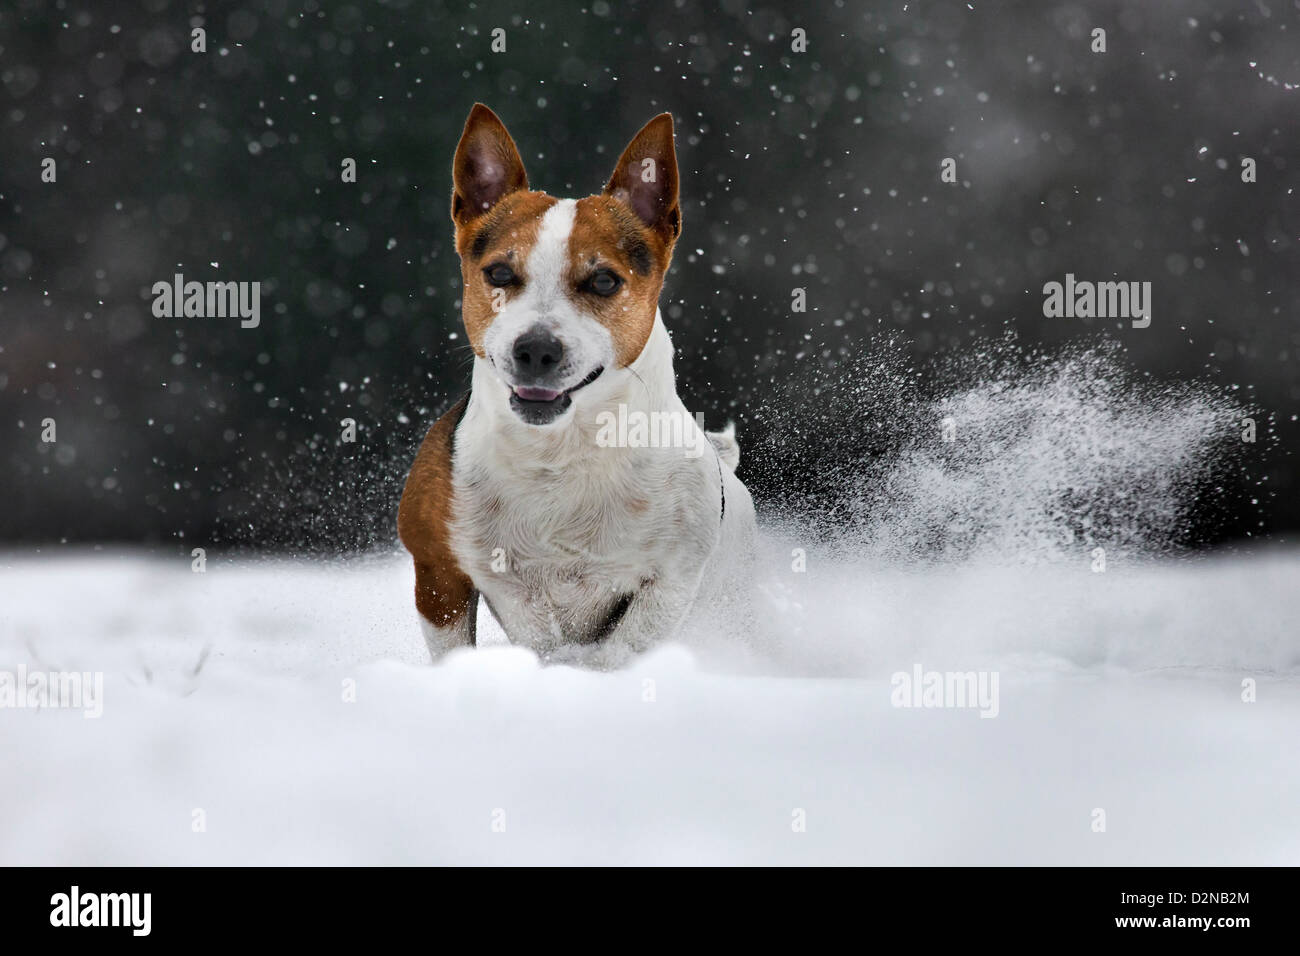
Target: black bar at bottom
335, 906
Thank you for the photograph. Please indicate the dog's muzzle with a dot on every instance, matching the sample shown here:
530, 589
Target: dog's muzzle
541, 406
537, 367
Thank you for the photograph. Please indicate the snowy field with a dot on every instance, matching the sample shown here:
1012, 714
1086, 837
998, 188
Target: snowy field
228, 692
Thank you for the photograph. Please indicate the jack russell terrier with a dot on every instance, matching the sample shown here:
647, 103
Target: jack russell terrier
577, 534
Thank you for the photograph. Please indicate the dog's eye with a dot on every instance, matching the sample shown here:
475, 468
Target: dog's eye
603, 282
500, 275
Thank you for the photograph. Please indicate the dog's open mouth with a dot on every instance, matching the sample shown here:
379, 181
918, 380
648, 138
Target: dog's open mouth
539, 406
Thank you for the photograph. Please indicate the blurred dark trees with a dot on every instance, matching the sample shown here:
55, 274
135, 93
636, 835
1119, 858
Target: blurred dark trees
817, 170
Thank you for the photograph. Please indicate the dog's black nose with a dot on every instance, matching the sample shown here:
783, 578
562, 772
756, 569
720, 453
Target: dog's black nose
537, 353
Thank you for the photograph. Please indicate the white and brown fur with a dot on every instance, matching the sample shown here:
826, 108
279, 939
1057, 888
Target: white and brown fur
570, 544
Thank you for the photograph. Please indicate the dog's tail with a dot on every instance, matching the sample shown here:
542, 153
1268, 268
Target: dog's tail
725, 444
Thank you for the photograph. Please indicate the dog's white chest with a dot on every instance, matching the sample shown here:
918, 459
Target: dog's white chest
556, 552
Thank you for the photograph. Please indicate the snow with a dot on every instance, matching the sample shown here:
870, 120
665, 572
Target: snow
225, 692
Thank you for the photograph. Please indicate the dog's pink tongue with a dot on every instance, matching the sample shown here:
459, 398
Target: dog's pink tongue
537, 394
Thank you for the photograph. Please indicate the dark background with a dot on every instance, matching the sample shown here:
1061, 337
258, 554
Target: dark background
818, 170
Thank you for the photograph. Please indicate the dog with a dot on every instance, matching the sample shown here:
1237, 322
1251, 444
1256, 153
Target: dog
576, 531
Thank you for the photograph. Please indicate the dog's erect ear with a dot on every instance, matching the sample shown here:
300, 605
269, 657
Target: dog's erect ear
646, 178
487, 166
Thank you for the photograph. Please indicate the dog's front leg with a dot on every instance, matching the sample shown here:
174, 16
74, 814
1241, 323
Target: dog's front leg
448, 606
655, 613
444, 594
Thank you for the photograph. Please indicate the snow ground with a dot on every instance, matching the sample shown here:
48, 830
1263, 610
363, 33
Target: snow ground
1119, 691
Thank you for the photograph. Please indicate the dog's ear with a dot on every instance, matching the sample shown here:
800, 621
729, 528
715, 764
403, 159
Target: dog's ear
487, 166
646, 178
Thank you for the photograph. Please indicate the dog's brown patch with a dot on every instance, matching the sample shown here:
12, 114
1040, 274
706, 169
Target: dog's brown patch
506, 233
608, 235
635, 222
443, 592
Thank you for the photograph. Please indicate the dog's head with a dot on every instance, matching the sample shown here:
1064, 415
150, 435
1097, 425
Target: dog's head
558, 292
